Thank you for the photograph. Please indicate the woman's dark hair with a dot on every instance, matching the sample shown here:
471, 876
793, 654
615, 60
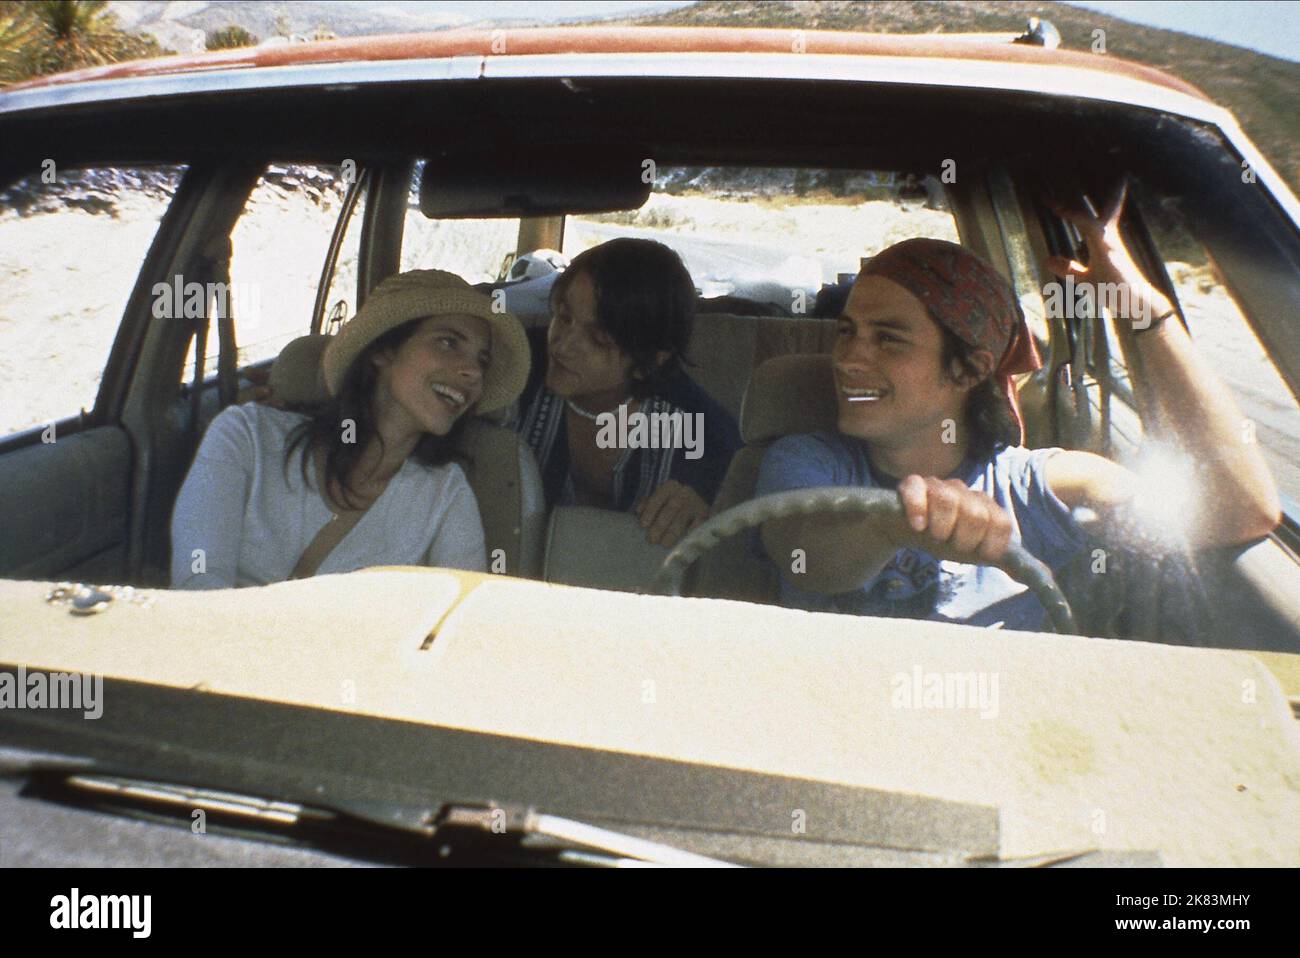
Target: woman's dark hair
988, 418
355, 402
645, 301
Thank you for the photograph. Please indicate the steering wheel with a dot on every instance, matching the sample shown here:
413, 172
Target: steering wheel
881, 506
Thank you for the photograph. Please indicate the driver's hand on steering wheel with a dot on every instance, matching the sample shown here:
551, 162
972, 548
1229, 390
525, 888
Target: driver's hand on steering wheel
947, 510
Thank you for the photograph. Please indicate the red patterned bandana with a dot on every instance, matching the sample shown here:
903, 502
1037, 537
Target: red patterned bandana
966, 296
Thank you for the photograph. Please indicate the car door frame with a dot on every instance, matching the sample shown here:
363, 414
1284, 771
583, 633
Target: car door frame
91, 465
155, 413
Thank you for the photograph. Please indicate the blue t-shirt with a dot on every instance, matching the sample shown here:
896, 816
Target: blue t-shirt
914, 584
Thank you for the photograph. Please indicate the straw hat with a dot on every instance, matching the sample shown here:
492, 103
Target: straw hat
422, 293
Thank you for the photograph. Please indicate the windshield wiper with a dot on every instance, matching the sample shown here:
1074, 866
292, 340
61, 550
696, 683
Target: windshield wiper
458, 833
616, 849
454, 833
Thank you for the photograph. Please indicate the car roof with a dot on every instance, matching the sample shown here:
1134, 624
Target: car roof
993, 76
614, 41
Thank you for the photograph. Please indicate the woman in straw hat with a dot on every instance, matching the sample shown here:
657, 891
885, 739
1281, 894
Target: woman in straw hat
929, 341
369, 478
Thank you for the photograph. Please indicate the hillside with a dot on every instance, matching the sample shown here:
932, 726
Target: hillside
263, 18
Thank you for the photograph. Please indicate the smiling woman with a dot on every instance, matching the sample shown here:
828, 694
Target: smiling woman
369, 478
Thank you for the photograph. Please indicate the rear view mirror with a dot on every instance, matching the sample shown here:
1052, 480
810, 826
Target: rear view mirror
511, 183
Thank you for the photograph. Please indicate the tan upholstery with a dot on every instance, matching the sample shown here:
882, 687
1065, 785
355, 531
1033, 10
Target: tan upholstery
725, 349
505, 479
733, 569
599, 548
296, 373
788, 394
498, 463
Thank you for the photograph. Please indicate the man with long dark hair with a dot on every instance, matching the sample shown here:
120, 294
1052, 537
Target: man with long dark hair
621, 320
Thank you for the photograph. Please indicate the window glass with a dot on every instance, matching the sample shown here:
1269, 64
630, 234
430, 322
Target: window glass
72, 242
1225, 338
477, 250
774, 236
279, 243
341, 301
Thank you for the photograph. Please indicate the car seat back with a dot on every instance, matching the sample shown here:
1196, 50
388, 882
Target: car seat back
600, 549
725, 350
788, 394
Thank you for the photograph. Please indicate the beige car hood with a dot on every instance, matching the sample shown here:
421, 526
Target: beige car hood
1079, 743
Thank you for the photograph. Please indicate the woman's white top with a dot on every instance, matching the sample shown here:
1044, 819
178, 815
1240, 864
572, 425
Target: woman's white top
242, 518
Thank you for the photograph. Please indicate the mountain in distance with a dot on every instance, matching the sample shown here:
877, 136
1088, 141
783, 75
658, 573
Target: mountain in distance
262, 18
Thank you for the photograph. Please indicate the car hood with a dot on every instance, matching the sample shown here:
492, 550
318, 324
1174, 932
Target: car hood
1078, 742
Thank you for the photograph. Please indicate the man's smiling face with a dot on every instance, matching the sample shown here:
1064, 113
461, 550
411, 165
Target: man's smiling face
890, 386
585, 363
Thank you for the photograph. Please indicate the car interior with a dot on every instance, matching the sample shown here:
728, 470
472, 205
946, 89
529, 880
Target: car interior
96, 505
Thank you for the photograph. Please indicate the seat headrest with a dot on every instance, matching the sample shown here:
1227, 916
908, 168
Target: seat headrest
296, 373
789, 394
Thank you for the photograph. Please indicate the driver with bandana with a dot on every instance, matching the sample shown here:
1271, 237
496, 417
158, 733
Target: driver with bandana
928, 343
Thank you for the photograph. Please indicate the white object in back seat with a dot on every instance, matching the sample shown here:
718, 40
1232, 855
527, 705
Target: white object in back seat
599, 549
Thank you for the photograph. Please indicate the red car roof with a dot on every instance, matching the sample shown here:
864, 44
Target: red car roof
612, 40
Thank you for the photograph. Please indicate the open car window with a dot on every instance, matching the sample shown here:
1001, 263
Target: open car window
279, 245
71, 245
1223, 335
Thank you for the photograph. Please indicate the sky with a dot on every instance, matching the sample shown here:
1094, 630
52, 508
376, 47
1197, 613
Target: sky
1266, 26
